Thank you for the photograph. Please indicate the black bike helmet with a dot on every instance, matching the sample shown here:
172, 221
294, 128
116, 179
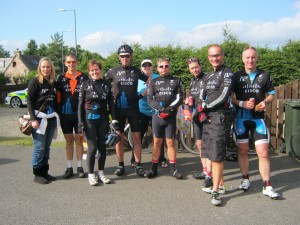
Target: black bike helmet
112, 139
125, 49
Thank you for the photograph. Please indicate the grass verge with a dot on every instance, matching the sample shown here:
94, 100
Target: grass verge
25, 141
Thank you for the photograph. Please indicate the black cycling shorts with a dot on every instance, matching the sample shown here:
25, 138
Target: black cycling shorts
198, 129
69, 124
132, 115
164, 127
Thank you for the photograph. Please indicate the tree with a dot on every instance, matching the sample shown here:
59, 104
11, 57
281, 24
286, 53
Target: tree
32, 48
3, 53
54, 51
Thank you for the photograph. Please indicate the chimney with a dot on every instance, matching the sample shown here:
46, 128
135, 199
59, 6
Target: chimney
17, 52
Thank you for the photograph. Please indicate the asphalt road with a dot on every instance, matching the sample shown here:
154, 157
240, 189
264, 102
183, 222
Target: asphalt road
134, 200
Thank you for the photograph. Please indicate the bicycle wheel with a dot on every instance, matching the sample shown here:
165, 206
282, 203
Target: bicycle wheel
129, 138
188, 141
295, 141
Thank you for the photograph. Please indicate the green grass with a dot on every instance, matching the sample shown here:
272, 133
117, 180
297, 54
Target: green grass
25, 141
4, 106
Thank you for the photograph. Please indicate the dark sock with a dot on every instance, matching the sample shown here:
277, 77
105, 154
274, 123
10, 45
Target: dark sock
154, 167
121, 164
246, 176
173, 166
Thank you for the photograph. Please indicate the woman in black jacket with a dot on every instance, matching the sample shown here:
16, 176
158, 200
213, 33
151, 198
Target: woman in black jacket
93, 118
42, 108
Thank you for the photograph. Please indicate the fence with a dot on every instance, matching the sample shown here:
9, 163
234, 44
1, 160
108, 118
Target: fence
275, 116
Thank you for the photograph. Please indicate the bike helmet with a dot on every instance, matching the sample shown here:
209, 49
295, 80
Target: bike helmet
112, 139
124, 50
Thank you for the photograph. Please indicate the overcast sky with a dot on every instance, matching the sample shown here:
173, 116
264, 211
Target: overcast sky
102, 26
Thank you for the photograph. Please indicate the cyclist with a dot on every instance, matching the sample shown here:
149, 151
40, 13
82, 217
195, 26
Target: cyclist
125, 81
164, 96
196, 86
218, 90
257, 84
95, 94
68, 87
145, 114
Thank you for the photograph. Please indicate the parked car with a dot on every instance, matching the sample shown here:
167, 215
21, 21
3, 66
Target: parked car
17, 98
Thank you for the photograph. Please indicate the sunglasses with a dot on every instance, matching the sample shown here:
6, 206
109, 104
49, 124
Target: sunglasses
164, 66
125, 56
69, 62
193, 59
147, 65
215, 56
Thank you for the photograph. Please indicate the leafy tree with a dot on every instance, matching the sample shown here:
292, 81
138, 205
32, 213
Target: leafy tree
3, 53
42, 50
85, 57
32, 48
54, 51
25, 79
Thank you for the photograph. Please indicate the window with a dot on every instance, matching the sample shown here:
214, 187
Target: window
14, 64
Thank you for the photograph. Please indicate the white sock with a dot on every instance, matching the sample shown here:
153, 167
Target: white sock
101, 173
79, 163
69, 163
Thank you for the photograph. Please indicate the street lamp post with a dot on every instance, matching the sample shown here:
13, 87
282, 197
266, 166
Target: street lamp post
62, 49
74, 11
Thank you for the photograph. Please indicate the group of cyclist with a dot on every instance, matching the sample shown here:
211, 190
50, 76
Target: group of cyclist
137, 96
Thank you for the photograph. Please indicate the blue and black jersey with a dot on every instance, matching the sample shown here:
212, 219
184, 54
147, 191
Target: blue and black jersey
125, 83
255, 85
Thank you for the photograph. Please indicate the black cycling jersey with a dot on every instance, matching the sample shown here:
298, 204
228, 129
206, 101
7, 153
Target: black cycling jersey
165, 93
244, 89
37, 94
197, 88
94, 97
218, 88
125, 83
69, 92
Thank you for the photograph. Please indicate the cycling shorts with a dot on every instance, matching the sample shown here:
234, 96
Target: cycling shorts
257, 127
215, 136
164, 127
69, 124
198, 129
132, 115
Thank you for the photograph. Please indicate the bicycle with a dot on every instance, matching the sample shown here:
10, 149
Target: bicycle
147, 139
189, 143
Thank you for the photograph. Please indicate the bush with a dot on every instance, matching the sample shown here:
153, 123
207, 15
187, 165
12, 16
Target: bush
3, 79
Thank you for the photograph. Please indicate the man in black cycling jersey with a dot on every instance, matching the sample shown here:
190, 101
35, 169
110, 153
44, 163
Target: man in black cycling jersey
197, 86
253, 90
125, 82
218, 89
164, 96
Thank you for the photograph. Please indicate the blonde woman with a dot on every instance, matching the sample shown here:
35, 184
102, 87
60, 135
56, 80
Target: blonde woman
42, 108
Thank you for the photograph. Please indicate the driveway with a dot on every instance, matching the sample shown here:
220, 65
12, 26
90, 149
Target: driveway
134, 200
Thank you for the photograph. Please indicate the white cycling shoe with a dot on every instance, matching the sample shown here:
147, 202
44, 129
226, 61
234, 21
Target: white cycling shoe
92, 179
245, 184
269, 191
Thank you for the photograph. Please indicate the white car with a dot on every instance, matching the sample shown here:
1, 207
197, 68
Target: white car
17, 98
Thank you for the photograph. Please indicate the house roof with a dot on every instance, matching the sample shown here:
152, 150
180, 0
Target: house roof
30, 61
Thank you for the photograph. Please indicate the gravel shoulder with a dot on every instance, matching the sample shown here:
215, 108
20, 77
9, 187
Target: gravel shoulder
9, 123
